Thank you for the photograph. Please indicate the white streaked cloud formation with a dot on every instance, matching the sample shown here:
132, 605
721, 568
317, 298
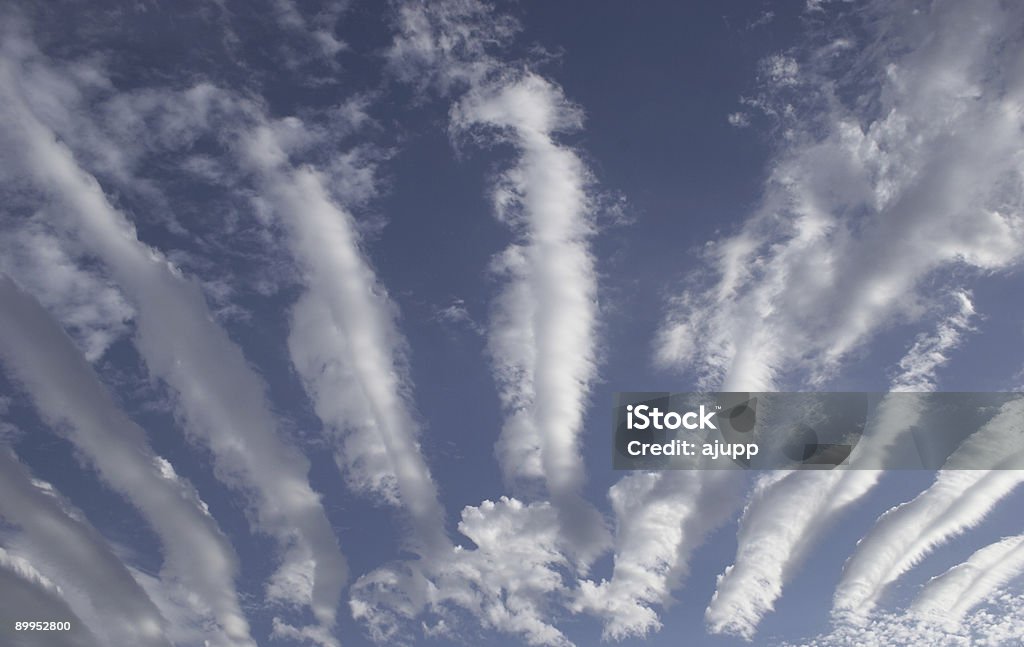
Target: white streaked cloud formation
70, 398
71, 554
542, 334
919, 367
957, 501
93, 310
787, 514
661, 519
27, 593
346, 345
894, 181
867, 199
947, 598
211, 217
541, 338
180, 342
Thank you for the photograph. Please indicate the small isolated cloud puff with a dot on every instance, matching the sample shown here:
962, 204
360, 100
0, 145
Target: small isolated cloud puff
510, 582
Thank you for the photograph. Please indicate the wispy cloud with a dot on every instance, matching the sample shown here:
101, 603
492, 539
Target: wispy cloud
69, 552
957, 501
864, 200
661, 519
998, 624
918, 368
950, 596
186, 349
346, 345
26, 593
70, 398
94, 311
541, 338
456, 313
787, 514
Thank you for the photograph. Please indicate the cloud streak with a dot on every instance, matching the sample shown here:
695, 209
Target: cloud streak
219, 396
957, 501
864, 202
661, 519
542, 335
27, 593
346, 345
69, 552
950, 596
787, 514
70, 398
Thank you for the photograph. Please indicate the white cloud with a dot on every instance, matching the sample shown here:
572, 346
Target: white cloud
780, 70
948, 597
918, 367
456, 313
543, 354
313, 635
27, 593
787, 513
661, 519
510, 582
94, 311
865, 201
446, 43
739, 119
64, 548
346, 345
219, 396
541, 339
542, 336
1000, 623
958, 500
71, 400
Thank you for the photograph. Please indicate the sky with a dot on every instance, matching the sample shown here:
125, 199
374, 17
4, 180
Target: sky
312, 317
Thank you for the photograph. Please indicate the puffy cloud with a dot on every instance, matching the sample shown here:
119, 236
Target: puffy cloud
511, 581
999, 624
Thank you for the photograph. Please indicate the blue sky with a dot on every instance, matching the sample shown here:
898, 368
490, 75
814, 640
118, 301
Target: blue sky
312, 316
